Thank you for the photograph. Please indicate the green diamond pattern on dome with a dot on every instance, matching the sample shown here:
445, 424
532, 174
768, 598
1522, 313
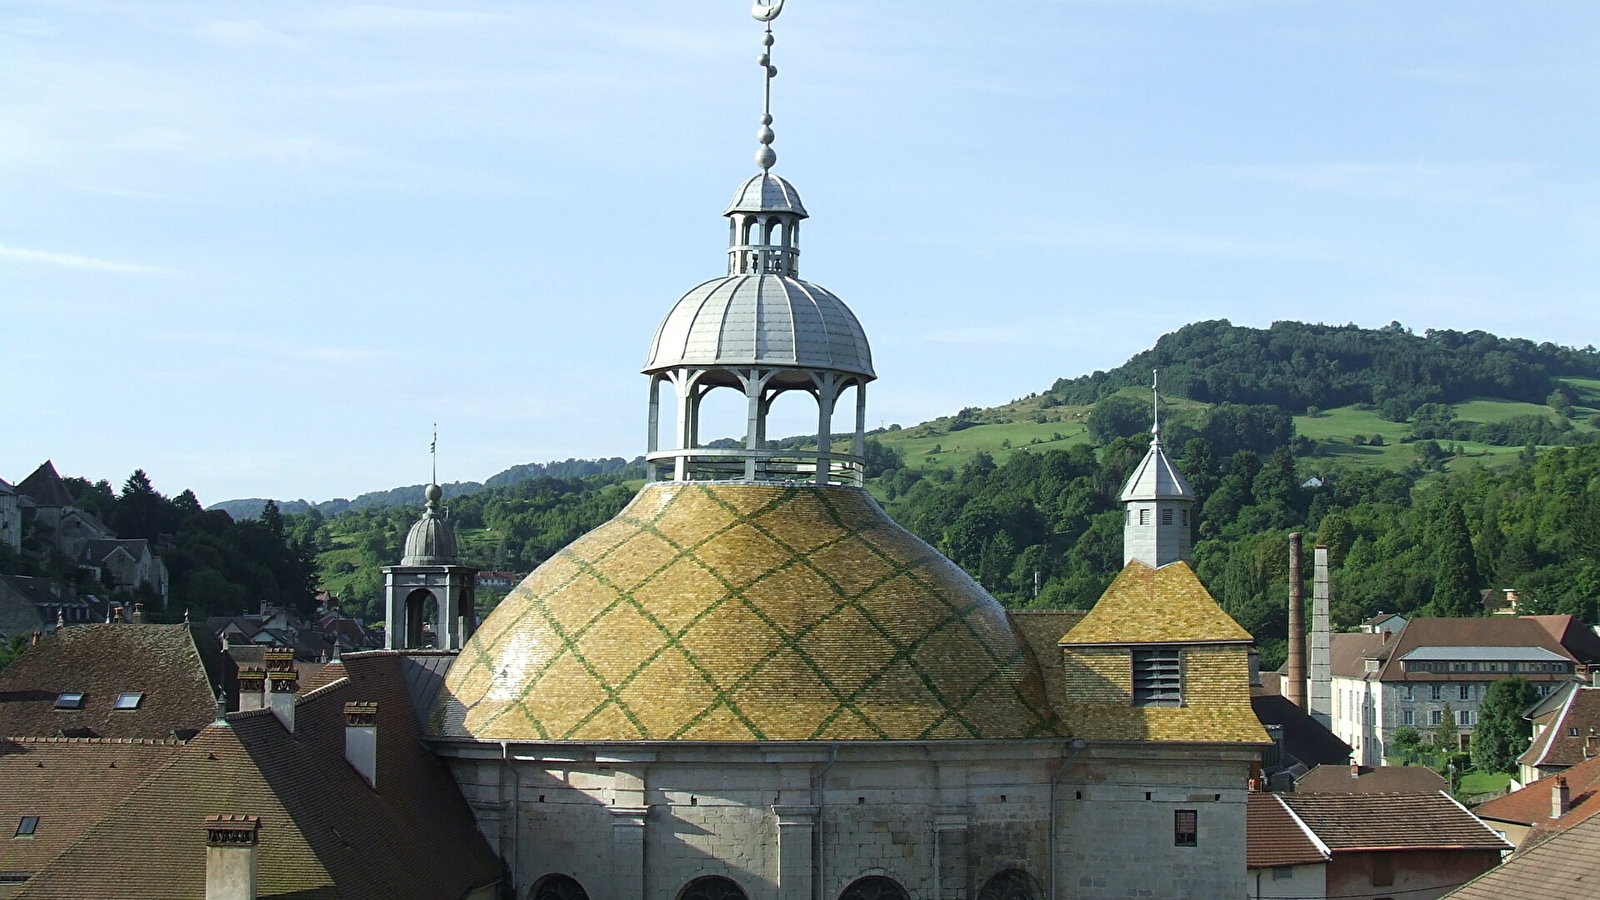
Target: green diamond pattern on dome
738, 612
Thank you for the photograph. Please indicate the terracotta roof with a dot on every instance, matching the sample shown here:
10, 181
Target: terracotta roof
324, 832
1275, 837
165, 663
45, 487
1043, 629
1532, 805
1562, 868
1412, 821
1335, 779
1557, 745
68, 783
1304, 738
1578, 638
1494, 631
1348, 650
1156, 606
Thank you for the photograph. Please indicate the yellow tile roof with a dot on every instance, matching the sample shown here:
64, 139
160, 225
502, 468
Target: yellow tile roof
740, 612
1155, 606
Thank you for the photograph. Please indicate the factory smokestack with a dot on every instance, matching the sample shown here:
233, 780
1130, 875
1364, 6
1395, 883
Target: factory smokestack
1321, 641
1297, 627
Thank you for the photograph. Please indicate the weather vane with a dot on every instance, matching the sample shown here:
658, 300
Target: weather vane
766, 12
433, 451
1155, 403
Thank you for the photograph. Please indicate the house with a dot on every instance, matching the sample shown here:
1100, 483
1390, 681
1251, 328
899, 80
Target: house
10, 517
55, 601
1546, 807
1382, 622
1300, 743
330, 795
44, 497
1562, 868
1566, 732
1352, 779
1433, 667
115, 681
1404, 846
124, 565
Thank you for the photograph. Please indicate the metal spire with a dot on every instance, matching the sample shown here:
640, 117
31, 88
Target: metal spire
1155, 405
765, 11
433, 450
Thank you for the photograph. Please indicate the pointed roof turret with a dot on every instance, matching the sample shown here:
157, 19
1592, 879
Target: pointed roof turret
1156, 478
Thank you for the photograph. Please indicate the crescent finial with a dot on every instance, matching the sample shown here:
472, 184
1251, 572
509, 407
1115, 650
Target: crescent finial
766, 11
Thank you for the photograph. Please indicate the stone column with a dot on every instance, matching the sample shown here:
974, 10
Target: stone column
950, 855
627, 851
797, 828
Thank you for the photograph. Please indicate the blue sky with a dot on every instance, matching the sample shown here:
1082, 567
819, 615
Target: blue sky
257, 248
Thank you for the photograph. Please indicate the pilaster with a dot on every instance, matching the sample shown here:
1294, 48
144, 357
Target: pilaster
797, 829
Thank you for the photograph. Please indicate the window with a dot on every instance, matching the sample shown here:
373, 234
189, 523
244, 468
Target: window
1464, 717
1012, 884
1408, 717
1438, 692
1166, 516
1185, 518
69, 700
1144, 517
557, 887
1282, 873
1436, 717
128, 700
875, 887
1157, 677
27, 826
1572, 732
1466, 692
1409, 692
712, 887
1372, 665
1185, 828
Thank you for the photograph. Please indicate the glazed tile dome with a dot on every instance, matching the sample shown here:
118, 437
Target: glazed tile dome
745, 320
744, 612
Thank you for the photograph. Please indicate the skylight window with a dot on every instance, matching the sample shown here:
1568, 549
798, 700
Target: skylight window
128, 700
27, 826
69, 700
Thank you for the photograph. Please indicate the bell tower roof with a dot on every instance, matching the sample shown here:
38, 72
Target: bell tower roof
766, 193
1156, 479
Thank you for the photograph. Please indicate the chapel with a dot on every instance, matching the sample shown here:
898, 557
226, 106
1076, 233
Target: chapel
752, 684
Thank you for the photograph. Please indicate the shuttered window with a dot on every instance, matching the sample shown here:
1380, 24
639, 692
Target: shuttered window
1157, 677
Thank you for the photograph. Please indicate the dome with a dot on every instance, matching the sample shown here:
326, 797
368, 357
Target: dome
431, 541
746, 612
744, 320
767, 193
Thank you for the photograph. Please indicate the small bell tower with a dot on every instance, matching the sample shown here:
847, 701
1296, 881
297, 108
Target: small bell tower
430, 574
1158, 503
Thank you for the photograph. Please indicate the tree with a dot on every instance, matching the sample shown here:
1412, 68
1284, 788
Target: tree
1446, 736
1455, 580
1406, 743
1502, 733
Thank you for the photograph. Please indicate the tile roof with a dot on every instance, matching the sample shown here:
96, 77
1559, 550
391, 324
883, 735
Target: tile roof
1562, 868
1491, 631
45, 487
1407, 821
324, 832
1556, 745
1156, 606
1304, 738
69, 784
1042, 630
1532, 805
1576, 637
164, 662
1335, 779
1275, 837
1347, 652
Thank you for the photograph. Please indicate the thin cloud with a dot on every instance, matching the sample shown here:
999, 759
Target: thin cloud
366, 16
245, 34
74, 261
1149, 240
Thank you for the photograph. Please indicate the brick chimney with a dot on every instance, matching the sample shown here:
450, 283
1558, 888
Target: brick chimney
1560, 798
1355, 770
138, 614
361, 739
231, 857
1296, 692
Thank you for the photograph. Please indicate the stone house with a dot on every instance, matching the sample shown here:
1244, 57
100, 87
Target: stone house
124, 565
10, 517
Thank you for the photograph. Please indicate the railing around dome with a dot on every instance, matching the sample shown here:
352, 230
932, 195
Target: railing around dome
739, 464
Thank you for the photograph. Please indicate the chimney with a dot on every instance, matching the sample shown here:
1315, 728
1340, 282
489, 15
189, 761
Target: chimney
1560, 798
35, 640
1297, 627
252, 689
283, 680
1355, 770
361, 739
1321, 641
138, 614
1386, 635
231, 857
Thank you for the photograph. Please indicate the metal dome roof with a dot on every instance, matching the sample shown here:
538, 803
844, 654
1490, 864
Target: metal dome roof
431, 541
770, 320
767, 193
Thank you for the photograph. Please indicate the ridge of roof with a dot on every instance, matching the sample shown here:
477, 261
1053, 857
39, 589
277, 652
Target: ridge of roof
1393, 821
45, 487
1327, 852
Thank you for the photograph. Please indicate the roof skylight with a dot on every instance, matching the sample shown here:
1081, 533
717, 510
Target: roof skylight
128, 700
27, 826
69, 700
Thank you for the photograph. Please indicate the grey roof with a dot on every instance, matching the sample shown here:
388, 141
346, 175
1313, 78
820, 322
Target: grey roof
97, 551
5, 487
424, 672
769, 320
767, 193
1156, 479
45, 487
431, 541
1530, 654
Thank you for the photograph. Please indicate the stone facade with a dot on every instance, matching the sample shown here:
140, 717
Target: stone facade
798, 821
10, 517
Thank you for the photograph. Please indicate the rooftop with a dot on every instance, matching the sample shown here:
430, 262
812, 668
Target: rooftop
1533, 804
1557, 744
1562, 868
1274, 837
1156, 606
1400, 821
1338, 779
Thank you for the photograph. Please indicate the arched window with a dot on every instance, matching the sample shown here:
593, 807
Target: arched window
712, 887
1012, 884
557, 887
875, 887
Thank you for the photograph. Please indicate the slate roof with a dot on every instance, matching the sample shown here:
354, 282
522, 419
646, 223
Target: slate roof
1557, 745
1168, 605
1532, 805
18, 613
1275, 837
1335, 779
324, 832
164, 662
1494, 631
1304, 738
45, 487
1156, 478
1404, 821
96, 551
1562, 868
69, 784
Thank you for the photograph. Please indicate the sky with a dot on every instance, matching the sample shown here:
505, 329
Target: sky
258, 249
